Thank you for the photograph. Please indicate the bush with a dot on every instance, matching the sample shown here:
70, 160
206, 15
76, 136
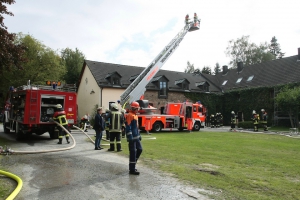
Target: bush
248, 124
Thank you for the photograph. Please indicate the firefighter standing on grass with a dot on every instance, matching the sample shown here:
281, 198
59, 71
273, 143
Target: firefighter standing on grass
60, 117
212, 120
133, 137
264, 118
232, 121
255, 119
116, 121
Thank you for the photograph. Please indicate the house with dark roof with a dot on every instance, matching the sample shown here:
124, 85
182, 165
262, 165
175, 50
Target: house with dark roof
101, 83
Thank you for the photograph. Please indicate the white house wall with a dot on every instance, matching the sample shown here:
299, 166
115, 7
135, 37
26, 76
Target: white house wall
86, 99
110, 95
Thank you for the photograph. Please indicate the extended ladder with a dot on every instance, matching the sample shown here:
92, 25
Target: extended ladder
137, 88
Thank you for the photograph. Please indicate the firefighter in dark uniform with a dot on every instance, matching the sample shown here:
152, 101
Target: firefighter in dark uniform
255, 119
116, 121
212, 120
264, 118
123, 111
60, 117
218, 120
232, 121
133, 137
195, 17
186, 19
107, 123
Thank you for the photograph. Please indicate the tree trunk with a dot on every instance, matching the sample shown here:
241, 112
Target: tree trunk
291, 118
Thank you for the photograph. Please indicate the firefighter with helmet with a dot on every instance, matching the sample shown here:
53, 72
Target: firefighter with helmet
123, 111
187, 19
255, 119
212, 120
60, 117
264, 118
232, 121
116, 121
133, 137
107, 123
195, 17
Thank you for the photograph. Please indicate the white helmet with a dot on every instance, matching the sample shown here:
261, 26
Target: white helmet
232, 112
114, 106
262, 110
253, 112
58, 106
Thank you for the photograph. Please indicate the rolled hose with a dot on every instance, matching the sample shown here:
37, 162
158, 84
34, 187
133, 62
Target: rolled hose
19, 186
47, 151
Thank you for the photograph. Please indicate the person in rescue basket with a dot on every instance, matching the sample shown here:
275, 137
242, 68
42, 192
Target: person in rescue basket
99, 128
116, 121
60, 117
133, 137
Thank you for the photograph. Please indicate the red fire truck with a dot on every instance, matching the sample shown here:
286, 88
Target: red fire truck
29, 109
179, 116
174, 116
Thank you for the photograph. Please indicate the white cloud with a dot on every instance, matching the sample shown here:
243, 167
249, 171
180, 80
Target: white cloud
133, 32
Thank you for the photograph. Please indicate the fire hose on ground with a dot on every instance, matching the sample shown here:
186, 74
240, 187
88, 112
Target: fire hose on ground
82, 130
9, 151
19, 186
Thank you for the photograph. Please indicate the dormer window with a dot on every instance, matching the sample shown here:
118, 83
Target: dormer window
204, 86
183, 84
250, 78
114, 78
239, 80
161, 83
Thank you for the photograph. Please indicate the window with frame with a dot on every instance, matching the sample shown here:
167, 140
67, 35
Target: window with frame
163, 89
239, 80
116, 81
250, 78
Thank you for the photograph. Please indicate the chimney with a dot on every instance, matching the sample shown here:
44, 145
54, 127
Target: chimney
239, 67
298, 54
225, 69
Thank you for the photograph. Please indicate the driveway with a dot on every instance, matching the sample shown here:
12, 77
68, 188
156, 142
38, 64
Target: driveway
83, 173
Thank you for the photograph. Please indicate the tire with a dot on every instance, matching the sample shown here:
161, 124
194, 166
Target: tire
196, 126
180, 129
5, 125
157, 126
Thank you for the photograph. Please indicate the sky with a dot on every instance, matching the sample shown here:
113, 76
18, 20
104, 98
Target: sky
133, 32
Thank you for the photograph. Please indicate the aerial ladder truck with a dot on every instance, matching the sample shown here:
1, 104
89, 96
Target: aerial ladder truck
135, 91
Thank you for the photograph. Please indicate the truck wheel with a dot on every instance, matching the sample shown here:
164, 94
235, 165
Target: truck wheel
180, 129
5, 125
196, 126
20, 135
157, 126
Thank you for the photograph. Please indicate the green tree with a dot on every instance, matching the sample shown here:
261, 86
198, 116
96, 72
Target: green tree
43, 63
189, 68
10, 53
73, 61
197, 71
206, 70
241, 50
217, 69
289, 99
274, 49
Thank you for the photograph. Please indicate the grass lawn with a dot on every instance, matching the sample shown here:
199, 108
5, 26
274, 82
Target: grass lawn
235, 165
